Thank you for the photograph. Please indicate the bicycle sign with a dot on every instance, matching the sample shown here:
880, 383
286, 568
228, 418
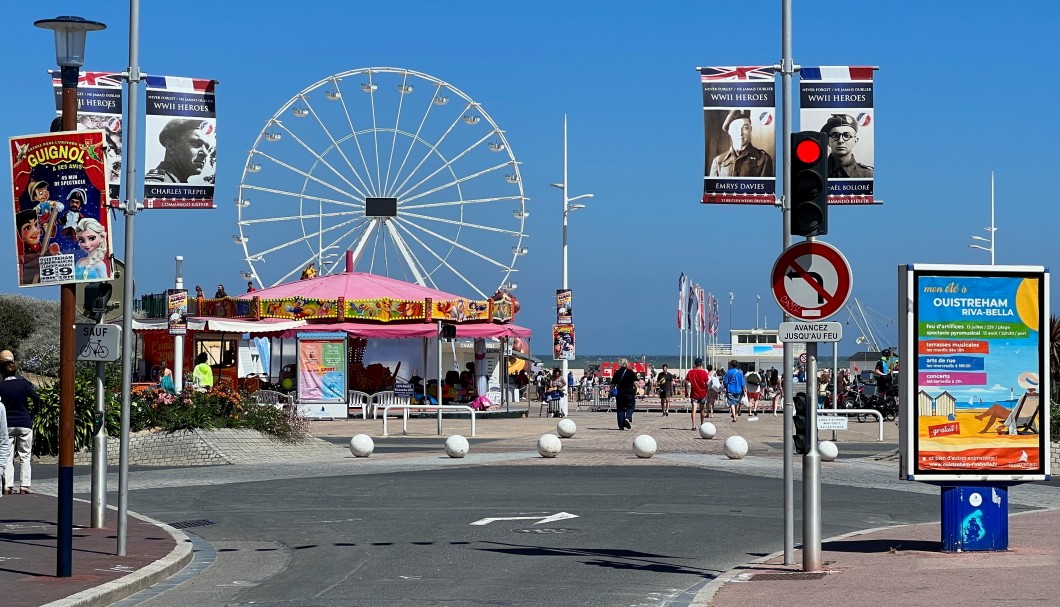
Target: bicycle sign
100, 343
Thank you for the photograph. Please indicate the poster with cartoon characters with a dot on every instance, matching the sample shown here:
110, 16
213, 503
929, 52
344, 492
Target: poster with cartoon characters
976, 370
59, 187
563, 342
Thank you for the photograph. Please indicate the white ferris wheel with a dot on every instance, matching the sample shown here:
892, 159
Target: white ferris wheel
401, 168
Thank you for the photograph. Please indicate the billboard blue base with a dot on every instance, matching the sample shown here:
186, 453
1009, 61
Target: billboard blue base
974, 518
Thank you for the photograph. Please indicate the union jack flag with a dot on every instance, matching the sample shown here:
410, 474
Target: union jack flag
760, 72
177, 83
831, 73
96, 79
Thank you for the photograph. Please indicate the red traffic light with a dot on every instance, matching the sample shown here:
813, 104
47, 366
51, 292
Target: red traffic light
808, 151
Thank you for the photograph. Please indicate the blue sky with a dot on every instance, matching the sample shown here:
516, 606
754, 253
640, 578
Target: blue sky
959, 94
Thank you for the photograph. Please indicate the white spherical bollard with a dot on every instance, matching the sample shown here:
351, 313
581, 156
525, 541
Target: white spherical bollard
828, 450
456, 446
549, 445
707, 430
566, 428
735, 447
644, 446
362, 445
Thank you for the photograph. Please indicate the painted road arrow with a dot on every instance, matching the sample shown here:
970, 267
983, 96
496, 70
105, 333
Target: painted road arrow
559, 516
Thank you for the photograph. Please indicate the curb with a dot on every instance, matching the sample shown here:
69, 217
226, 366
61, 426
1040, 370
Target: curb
145, 577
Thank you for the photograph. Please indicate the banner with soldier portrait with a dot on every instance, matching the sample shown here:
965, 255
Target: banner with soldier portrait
838, 101
181, 143
739, 117
99, 106
59, 187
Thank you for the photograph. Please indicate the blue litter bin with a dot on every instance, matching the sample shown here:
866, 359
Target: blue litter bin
974, 518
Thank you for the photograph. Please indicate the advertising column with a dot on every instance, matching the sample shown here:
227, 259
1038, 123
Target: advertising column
322, 374
975, 397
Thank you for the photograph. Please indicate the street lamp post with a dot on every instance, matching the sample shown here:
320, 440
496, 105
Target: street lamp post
989, 230
567, 208
70, 34
758, 298
730, 318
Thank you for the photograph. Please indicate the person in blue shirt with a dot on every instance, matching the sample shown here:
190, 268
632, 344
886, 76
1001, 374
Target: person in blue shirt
570, 384
735, 388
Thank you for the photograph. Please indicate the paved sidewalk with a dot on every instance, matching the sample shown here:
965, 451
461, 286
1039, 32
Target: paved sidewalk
28, 555
904, 566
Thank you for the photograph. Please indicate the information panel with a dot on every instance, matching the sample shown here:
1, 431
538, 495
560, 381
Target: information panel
322, 367
974, 372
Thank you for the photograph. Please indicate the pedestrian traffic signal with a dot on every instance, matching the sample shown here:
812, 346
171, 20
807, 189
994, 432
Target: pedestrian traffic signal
448, 330
97, 297
809, 183
802, 423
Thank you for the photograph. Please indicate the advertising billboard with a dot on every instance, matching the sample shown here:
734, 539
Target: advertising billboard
974, 373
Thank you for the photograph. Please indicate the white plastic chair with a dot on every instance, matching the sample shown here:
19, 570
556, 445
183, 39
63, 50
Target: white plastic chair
355, 399
384, 398
272, 397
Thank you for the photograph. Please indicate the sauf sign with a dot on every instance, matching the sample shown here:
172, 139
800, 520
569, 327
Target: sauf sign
99, 343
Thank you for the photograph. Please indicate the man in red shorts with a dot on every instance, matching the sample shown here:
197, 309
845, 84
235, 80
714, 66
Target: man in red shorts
697, 379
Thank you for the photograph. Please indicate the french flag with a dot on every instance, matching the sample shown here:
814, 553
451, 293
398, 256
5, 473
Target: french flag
177, 83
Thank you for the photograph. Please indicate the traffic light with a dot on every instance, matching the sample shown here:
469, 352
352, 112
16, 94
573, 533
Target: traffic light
809, 183
802, 421
97, 296
448, 330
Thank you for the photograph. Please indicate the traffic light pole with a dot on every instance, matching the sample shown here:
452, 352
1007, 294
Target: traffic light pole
786, 72
811, 471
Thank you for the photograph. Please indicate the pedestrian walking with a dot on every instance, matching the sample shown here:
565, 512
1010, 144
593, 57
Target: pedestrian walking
16, 393
665, 381
735, 389
5, 447
715, 389
754, 392
774, 389
625, 382
697, 380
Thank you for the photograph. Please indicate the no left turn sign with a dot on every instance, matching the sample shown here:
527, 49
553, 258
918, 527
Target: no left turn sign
811, 280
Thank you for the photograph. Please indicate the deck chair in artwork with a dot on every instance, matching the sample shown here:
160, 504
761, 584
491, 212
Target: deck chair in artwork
1025, 415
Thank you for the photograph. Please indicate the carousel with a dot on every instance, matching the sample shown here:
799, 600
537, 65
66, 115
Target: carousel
322, 339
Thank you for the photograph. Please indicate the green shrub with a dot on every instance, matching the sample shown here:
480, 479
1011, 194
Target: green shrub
220, 407
46, 417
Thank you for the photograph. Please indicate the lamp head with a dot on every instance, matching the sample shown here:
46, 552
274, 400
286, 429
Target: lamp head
70, 33
557, 185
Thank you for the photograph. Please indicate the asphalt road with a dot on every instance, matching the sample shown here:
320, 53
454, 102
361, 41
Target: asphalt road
643, 535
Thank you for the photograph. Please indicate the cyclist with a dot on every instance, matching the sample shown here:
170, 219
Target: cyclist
882, 373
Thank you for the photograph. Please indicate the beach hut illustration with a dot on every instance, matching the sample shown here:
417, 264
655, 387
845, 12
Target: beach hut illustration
924, 404
945, 404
